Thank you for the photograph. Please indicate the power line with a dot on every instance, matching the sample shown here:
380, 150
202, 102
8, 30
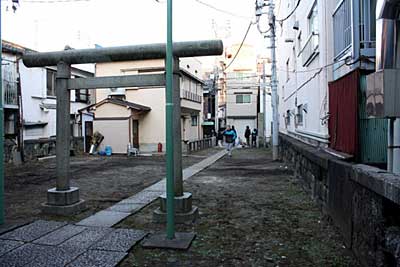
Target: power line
240, 47
51, 1
221, 10
290, 14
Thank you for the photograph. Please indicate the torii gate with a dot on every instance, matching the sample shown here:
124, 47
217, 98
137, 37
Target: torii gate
64, 199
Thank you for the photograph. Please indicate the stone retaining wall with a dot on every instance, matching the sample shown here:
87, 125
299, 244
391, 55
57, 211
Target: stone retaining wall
362, 201
38, 148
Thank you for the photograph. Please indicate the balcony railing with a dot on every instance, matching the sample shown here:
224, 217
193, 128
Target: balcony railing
10, 85
185, 94
342, 29
310, 49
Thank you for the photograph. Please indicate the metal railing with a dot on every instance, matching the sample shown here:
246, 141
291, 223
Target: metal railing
185, 94
10, 84
342, 28
310, 49
196, 145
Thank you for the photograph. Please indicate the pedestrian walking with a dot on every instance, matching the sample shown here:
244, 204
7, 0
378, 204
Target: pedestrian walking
254, 135
233, 129
230, 137
247, 134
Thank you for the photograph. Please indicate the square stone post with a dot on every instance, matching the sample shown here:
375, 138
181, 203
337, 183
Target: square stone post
184, 210
177, 126
63, 199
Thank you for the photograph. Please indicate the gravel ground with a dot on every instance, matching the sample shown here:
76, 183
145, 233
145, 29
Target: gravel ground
252, 213
103, 181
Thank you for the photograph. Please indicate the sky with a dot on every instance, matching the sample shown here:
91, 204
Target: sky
45, 25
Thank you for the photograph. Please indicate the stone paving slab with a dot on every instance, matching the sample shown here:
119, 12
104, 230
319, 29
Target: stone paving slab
159, 186
104, 218
56, 257
87, 238
8, 245
126, 207
121, 240
96, 258
144, 197
22, 255
60, 235
33, 231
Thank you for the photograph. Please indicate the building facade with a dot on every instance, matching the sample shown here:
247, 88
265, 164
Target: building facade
30, 106
323, 59
147, 126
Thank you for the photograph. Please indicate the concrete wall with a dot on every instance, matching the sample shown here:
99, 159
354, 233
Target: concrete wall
363, 201
116, 134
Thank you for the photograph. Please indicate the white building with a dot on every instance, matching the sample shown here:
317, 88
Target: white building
305, 47
325, 50
39, 101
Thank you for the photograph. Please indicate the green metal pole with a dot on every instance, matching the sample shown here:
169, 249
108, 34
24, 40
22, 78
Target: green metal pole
1, 138
169, 127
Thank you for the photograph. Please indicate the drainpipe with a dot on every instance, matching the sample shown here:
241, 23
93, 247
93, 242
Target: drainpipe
396, 146
390, 145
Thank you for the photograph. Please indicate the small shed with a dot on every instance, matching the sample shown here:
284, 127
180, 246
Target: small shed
118, 121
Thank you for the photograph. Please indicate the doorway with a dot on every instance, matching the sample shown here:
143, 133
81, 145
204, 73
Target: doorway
88, 135
135, 133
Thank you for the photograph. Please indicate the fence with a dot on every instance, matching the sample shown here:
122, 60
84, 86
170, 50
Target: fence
196, 145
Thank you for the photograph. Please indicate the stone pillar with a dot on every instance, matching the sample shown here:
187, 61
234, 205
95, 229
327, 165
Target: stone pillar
177, 130
184, 211
63, 199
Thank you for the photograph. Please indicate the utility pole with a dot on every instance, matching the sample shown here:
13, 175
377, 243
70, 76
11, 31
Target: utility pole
264, 88
274, 91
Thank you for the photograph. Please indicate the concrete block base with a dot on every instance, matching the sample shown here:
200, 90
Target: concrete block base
64, 210
62, 197
182, 241
184, 211
187, 217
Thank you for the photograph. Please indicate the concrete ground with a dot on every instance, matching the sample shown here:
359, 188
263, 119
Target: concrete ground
252, 213
103, 181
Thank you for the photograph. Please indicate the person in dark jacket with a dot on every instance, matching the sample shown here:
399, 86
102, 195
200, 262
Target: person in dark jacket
247, 134
233, 129
254, 135
230, 137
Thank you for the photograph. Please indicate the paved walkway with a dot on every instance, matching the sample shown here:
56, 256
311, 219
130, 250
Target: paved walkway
90, 242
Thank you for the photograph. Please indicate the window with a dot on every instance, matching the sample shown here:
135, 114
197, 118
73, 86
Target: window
287, 117
194, 120
287, 70
51, 83
299, 115
82, 96
243, 99
313, 20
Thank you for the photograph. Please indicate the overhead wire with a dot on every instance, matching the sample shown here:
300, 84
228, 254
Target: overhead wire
290, 14
222, 11
240, 47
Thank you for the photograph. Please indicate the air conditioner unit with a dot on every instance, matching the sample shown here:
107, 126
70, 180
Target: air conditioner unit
117, 91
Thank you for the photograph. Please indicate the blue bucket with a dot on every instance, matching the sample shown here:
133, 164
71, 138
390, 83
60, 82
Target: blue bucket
108, 150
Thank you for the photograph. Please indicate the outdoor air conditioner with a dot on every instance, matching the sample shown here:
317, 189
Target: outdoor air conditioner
117, 91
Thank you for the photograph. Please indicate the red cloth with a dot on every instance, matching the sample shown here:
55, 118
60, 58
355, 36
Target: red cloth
343, 109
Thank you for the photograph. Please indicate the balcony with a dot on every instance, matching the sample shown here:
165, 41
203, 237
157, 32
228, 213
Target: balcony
185, 94
342, 29
353, 40
310, 49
